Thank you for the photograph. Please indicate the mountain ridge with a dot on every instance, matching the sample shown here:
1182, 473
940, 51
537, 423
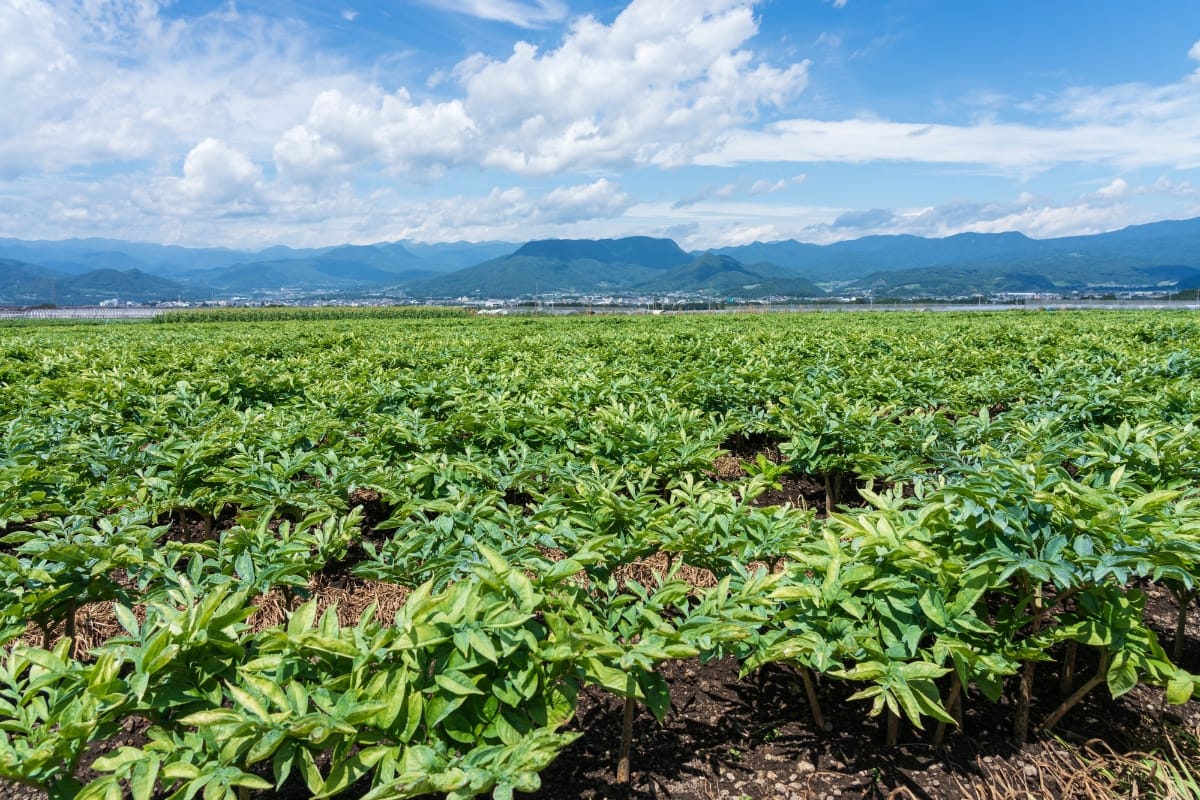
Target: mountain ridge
1161, 255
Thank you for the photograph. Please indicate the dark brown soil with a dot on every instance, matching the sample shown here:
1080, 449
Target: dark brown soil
754, 738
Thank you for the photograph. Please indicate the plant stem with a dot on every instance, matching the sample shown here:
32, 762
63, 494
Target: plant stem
1182, 600
893, 728
1067, 678
626, 740
814, 704
952, 702
1080, 693
1025, 694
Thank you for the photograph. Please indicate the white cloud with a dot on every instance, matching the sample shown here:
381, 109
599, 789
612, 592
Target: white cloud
349, 14
214, 172
1110, 207
1119, 190
230, 128
343, 132
726, 191
1115, 191
1007, 146
1129, 126
522, 14
1165, 186
663, 82
110, 81
515, 213
601, 199
764, 186
659, 85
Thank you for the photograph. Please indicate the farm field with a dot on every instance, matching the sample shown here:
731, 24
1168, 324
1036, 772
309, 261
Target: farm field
689, 557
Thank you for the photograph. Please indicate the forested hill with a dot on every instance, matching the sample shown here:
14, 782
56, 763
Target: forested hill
1162, 255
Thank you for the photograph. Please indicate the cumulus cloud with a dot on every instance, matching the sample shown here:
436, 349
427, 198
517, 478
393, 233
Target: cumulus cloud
1115, 191
118, 119
514, 12
111, 81
660, 84
663, 82
214, 172
343, 132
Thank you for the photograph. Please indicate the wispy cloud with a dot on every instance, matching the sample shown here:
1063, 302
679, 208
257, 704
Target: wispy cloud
1152, 140
522, 14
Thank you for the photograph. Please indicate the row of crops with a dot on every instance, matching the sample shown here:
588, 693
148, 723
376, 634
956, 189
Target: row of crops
538, 506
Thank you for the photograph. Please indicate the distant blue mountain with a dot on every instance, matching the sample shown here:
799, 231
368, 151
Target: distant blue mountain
636, 264
1069, 262
449, 256
642, 251
30, 284
82, 255
1161, 255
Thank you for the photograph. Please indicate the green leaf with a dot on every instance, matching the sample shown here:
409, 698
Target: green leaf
1122, 674
1180, 687
249, 702
456, 683
656, 692
250, 781
482, 645
142, 781
215, 716
127, 619
112, 762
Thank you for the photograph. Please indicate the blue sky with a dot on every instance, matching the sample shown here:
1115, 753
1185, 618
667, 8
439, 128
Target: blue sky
712, 121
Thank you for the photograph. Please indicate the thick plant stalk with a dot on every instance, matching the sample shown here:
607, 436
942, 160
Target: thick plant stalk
1182, 600
1067, 679
1025, 694
814, 704
1097, 679
626, 740
833, 490
953, 701
893, 728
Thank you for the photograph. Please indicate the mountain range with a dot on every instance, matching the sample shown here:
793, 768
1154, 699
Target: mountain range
1162, 255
